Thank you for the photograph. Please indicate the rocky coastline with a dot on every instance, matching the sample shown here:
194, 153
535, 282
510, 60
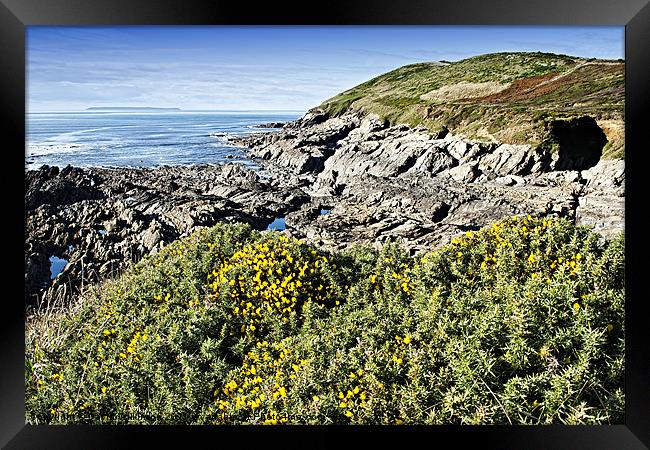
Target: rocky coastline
336, 181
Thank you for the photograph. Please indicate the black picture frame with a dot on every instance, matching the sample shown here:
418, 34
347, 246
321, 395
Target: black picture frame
15, 15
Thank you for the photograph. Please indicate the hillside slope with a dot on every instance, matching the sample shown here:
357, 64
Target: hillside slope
506, 97
521, 322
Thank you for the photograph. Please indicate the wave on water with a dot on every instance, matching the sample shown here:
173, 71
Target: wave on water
52, 149
70, 135
141, 140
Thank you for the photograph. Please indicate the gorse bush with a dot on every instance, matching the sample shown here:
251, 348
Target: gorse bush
521, 322
266, 285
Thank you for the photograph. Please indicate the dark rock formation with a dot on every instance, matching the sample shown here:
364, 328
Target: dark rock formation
102, 219
404, 184
379, 183
268, 125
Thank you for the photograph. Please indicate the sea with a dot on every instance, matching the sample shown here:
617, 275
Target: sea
142, 139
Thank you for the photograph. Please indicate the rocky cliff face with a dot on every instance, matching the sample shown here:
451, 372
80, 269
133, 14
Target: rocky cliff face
384, 183
99, 220
337, 181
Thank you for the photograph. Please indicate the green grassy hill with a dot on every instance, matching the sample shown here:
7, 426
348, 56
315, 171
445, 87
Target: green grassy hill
505, 97
521, 322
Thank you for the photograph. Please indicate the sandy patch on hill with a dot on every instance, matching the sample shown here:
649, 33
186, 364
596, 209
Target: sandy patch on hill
464, 89
614, 129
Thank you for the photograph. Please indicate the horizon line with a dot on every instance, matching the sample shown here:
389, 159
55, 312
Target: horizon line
153, 107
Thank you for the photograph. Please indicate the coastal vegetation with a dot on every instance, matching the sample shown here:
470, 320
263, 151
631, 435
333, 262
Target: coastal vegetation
159, 316
521, 322
504, 97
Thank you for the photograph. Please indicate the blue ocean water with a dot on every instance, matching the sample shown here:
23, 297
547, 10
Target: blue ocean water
140, 139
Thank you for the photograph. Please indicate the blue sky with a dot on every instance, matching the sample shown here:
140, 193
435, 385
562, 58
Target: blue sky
259, 68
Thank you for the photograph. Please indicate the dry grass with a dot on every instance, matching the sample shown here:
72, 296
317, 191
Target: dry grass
464, 90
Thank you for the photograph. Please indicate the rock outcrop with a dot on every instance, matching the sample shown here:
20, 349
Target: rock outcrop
336, 181
400, 183
99, 220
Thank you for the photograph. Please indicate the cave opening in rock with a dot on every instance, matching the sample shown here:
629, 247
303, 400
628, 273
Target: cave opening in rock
579, 143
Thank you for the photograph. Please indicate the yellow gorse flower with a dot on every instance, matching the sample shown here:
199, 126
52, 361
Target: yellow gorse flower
531, 258
271, 278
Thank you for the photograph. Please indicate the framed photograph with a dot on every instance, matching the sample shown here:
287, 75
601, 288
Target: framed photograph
378, 225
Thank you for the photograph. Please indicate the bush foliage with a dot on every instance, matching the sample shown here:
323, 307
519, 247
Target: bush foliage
520, 323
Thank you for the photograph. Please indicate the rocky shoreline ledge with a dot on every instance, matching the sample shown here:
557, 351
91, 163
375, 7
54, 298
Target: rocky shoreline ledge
377, 183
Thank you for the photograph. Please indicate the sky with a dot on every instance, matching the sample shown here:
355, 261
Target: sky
260, 68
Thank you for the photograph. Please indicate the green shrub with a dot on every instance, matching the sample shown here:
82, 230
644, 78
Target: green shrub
521, 322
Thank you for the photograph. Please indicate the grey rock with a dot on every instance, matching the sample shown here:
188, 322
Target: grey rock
150, 237
458, 149
510, 180
398, 182
433, 161
607, 175
605, 213
382, 184
510, 159
465, 173
139, 214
